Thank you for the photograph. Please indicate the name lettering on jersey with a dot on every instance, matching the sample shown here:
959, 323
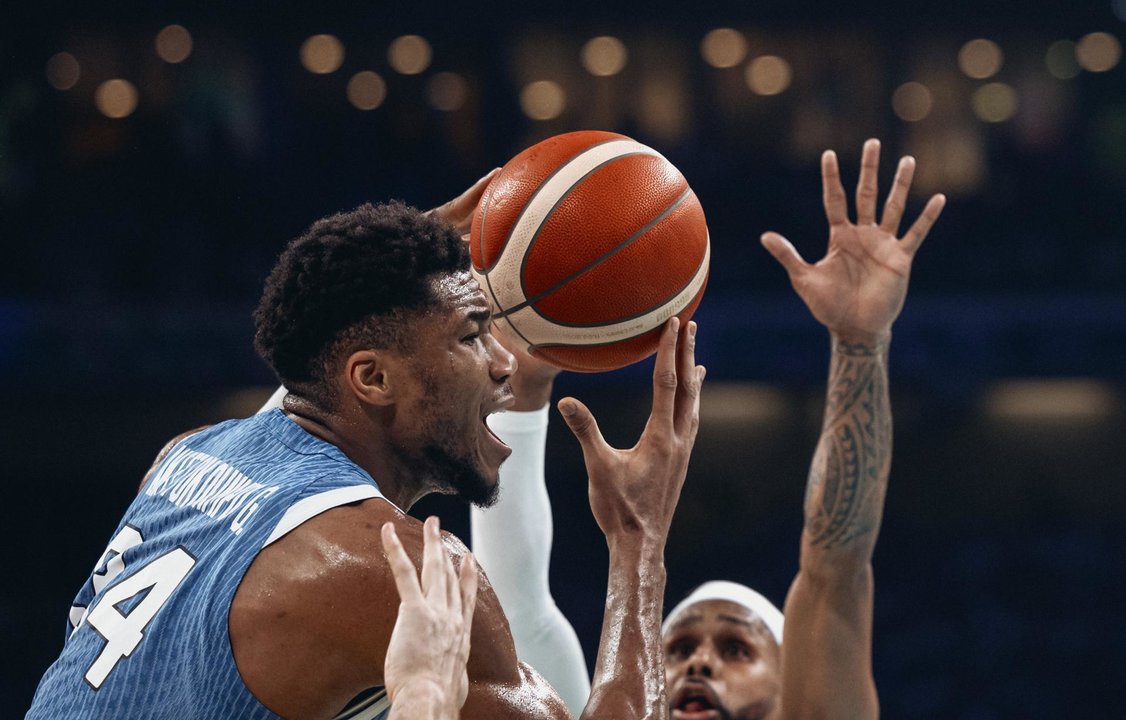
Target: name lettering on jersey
196, 480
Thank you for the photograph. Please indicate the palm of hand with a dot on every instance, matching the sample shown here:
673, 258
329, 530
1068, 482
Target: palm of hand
625, 496
858, 288
426, 644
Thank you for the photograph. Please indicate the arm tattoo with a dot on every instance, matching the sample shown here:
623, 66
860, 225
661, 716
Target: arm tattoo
845, 493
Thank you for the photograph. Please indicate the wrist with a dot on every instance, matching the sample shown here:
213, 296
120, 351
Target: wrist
860, 343
427, 697
640, 547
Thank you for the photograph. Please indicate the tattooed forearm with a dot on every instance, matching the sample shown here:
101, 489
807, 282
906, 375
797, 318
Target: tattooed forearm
845, 493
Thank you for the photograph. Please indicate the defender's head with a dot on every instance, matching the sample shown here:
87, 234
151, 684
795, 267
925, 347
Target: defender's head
723, 654
374, 311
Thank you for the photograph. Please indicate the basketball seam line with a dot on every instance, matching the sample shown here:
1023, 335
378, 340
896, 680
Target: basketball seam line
487, 270
619, 320
591, 265
516, 222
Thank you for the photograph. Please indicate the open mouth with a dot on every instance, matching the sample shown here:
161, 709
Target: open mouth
694, 703
500, 445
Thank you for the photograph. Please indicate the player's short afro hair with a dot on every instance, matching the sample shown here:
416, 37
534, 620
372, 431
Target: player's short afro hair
346, 273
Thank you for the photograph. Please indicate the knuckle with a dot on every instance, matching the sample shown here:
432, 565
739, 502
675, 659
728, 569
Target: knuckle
666, 379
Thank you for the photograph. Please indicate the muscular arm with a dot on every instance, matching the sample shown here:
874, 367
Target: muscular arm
827, 654
856, 291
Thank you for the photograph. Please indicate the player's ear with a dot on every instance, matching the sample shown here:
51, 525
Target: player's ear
369, 375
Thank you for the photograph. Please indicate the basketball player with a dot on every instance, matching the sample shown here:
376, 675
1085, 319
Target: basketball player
246, 580
724, 654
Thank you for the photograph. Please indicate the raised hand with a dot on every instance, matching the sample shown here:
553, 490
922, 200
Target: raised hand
857, 290
429, 646
637, 489
459, 211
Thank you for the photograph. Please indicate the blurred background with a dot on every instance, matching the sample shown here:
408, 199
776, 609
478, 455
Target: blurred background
154, 159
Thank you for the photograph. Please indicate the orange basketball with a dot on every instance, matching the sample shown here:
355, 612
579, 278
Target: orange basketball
586, 243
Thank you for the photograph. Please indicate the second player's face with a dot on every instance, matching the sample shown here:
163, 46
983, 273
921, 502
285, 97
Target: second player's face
462, 374
721, 663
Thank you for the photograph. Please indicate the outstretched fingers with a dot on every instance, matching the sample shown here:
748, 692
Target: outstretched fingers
784, 252
467, 584
437, 571
665, 380
832, 192
896, 203
401, 566
867, 188
582, 424
918, 232
689, 378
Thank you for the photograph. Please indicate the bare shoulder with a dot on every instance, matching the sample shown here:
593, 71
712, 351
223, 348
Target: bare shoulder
311, 619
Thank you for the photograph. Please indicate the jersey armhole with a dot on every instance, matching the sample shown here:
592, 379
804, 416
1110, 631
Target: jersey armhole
314, 505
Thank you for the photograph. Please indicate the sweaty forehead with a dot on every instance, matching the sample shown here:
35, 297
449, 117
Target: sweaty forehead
459, 291
723, 612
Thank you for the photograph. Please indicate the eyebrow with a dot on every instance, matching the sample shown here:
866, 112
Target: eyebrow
478, 316
690, 620
695, 619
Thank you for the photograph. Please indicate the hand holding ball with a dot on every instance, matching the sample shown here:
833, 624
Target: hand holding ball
585, 244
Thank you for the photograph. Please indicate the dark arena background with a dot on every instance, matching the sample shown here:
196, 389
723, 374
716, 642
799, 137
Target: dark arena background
155, 157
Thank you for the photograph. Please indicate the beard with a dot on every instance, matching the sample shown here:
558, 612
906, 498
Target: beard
447, 468
455, 475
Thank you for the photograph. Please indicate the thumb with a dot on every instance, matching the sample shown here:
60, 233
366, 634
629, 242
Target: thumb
581, 422
784, 252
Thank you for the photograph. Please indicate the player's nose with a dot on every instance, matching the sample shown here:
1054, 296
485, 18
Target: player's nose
702, 662
502, 364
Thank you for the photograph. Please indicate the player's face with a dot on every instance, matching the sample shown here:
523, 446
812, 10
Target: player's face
721, 663
462, 378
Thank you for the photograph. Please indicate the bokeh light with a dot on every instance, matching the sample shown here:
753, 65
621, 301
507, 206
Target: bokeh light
63, 71
1098, 52
447, 91
1060, 60
604, 56
912, 101
1120, 9
723, 48
409, 54
980, 58
174, 44
116, 98
322, 54
995, 102
543, 100
367, 90
769, 75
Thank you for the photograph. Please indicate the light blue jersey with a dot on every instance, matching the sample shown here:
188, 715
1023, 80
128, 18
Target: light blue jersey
147, 634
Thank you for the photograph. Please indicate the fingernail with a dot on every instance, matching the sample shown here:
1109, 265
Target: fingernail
692, 329
674, 324
568, 409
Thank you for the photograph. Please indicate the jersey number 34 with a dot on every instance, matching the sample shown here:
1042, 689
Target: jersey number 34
118, 621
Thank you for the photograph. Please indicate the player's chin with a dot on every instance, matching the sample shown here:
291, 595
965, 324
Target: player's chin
481, 488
